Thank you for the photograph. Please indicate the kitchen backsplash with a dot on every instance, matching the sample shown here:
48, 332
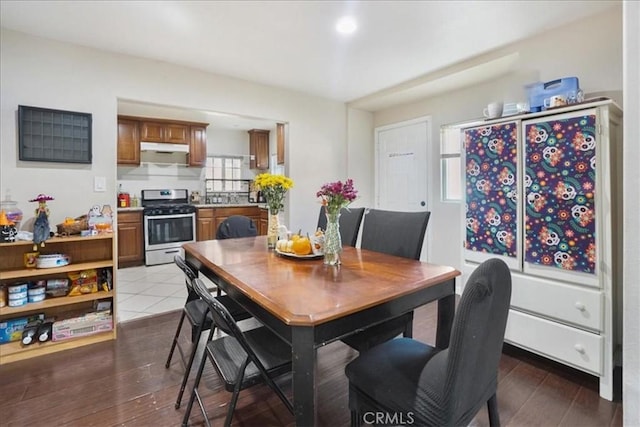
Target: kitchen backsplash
158, 176
159, 171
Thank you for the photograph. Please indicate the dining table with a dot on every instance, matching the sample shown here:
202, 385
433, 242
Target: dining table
310, 304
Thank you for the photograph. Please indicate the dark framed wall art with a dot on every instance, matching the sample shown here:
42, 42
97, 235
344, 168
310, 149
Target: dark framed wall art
47, 135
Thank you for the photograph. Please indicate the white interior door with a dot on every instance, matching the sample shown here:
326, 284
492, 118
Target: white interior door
402, 163
401, 168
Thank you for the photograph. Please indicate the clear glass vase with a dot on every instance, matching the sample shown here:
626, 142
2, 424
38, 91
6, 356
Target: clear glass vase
272, 228
332, 239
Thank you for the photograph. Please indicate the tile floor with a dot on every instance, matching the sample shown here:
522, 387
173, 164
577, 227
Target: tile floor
144, 291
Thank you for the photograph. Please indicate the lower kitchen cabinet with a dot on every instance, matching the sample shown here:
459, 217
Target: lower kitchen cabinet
205, 224
208, 219
264, 222
81, 314
130, 239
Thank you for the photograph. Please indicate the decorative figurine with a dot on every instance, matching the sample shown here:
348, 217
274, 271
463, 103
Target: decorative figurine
8, 229
41, 228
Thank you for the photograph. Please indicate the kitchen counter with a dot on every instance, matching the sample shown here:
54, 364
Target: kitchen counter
210, 205
228, 205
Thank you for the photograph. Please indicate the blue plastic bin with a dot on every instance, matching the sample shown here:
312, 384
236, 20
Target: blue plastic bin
539, 91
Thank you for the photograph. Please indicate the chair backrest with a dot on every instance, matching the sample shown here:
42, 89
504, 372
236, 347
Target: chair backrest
350, 220
224, 320
475, 347
395, 233
189, 275
236, 226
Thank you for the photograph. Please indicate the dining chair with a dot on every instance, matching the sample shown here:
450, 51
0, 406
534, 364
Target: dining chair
350, 220
432, 387
195, 311
236, 226
393, 233
241, 358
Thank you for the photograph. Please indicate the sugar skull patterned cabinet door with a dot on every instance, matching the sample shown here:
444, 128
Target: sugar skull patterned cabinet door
491, 184
560, 188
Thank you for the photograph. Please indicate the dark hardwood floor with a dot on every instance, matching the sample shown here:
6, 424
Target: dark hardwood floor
125, 383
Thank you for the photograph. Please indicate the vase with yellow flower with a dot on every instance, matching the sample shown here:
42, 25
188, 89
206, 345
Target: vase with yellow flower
273, 187
335, 196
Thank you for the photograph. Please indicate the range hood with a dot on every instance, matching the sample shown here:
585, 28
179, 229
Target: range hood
163, 147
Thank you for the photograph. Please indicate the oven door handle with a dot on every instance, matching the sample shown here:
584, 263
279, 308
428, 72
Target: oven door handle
189, 215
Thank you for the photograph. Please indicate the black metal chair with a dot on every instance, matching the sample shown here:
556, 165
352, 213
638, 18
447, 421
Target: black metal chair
233, 227
236, 226
394, 233
195, 311
350, 220
405, 378
242, 359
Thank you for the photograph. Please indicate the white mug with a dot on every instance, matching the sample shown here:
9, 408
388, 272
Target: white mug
493, 110
555, 101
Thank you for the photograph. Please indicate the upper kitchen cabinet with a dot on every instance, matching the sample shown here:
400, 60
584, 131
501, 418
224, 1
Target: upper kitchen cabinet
160, 131
128, 142
258, 149
280, 142
132, 130
198, 146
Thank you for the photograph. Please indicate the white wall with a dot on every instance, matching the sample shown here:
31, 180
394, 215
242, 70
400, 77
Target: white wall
44, 73
631, 268
360, 155
567, 52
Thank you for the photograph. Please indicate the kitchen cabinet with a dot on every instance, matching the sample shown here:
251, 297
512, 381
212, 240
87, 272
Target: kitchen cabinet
130, 239
198, 146
280, 142
164, 131
209, 219
86, 253
543, 194
264, 222
128, 149
132, 130
259, 149
205, 224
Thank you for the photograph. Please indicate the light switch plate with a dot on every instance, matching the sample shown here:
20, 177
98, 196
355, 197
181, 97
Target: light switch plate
99, 184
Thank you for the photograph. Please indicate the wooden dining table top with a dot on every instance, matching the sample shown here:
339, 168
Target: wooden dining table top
306, 292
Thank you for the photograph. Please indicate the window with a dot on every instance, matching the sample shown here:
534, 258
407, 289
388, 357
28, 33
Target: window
224, 174
450, 164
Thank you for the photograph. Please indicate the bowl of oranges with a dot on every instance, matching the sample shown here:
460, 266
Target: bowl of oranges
302, 246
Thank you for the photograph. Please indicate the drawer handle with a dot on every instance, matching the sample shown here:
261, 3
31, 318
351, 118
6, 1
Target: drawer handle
580, 306
579, 348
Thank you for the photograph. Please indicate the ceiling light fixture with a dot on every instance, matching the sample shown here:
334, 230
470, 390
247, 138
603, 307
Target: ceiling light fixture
346, 25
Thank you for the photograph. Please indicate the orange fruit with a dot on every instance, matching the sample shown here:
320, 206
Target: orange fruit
301, 246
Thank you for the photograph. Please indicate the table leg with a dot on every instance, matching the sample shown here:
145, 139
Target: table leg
303, 352
446, 312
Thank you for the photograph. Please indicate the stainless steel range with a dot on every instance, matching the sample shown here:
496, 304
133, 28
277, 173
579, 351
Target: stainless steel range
169, 222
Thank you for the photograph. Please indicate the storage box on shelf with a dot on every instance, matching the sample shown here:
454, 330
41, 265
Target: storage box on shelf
543, 194
86, 253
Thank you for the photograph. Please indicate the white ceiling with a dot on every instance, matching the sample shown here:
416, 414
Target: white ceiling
293, 44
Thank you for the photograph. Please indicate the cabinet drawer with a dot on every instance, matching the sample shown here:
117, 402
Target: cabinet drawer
205, 213
567, 303
245, 211
565, 344
129, 217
